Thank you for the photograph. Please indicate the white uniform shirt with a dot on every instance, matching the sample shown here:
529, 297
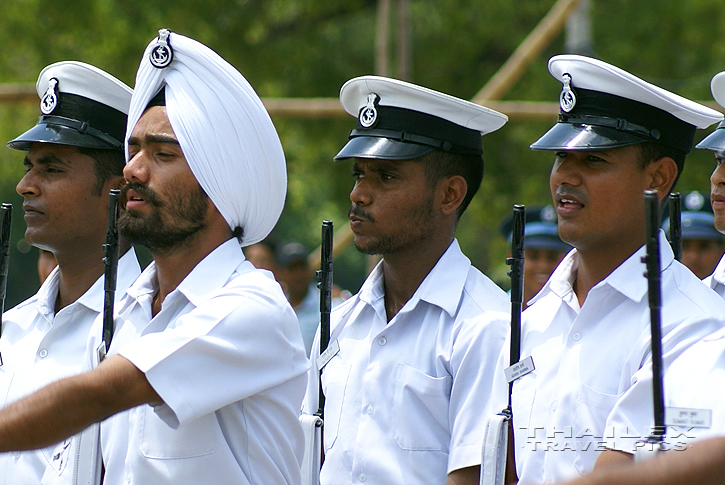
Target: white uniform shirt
407, 400
716, 280
226, 356
586, 358
39, 346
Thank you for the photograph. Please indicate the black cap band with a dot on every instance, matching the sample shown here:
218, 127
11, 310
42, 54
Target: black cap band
411, 126
97, 115
651, 124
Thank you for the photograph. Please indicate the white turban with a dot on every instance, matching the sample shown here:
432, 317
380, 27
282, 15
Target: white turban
224, 130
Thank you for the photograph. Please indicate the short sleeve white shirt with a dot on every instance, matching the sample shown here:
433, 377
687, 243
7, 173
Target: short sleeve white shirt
39, 346
694, 388
407, 400
586, 357
226, 356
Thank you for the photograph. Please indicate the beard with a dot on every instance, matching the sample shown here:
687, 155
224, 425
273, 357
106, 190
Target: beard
416, 226
169, 224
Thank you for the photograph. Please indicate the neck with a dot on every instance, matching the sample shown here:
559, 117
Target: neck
404, 272
175, 264
595, 265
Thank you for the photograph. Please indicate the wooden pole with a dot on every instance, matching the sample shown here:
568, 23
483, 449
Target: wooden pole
531, 47
382, 38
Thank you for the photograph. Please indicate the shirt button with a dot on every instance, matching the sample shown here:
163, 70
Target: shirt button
554, 405
382, 341
362, 477
370, 409
43, 354
577, 336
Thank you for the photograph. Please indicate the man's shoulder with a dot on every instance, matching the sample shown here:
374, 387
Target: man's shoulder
486, 294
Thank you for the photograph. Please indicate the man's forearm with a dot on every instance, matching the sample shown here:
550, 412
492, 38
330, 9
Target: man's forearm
703, 463
70, 405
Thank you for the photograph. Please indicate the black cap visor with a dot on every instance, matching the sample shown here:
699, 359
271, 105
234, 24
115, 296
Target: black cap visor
715, 141
45, 132
577, 136
381, 148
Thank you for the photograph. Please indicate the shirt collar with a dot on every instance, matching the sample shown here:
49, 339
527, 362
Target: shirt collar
209, 274
93, 298
623, 279
441, 287
718, 276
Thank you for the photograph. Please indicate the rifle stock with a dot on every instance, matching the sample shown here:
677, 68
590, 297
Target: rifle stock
110, 262
7, 216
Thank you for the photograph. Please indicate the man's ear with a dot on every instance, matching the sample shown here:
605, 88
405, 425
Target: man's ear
454, 190
664, 174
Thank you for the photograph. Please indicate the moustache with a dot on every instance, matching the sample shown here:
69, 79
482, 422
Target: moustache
579, 195
358, 212
143, 191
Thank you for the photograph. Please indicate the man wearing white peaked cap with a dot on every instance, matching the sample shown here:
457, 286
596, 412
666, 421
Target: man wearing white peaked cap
73, 158
410, 384
588, 329
693, 382
206, 370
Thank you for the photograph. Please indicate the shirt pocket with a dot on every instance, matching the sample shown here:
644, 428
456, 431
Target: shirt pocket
192, 439
334, 385
590, 416
420, 407
522, 404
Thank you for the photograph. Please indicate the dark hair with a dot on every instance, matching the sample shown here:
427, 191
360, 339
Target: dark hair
652, 151
440, 164
109, 163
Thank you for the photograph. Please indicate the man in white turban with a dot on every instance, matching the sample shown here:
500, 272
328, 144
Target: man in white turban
206, 370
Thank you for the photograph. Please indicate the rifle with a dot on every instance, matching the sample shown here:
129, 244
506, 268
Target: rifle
495, 443
676, 225
7, 217
312, 423
654, 291
110, 262
325, 284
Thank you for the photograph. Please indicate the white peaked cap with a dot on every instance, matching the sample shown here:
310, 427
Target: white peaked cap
589, 73
716, 140
399, 120
223, 129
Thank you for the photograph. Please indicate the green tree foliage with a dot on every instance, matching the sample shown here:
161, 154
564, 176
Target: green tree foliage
308, 48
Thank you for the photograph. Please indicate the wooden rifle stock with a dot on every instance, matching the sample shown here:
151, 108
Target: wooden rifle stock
110, 262
325, 284
7, 217
654, 291
676, 224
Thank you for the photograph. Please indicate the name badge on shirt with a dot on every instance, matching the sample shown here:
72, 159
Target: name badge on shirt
519, 369
694, 418
332, 349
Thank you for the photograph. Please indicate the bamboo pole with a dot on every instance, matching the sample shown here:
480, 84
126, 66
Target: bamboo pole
531, 47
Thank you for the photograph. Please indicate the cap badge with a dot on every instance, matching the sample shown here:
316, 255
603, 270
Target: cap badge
548, 214
369, 114
161, 54
694, 201
567, 98
49, 101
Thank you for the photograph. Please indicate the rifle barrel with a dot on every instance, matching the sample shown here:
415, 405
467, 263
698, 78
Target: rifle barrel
676, 224
110, 262
7, 216
325, 282
654, 291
